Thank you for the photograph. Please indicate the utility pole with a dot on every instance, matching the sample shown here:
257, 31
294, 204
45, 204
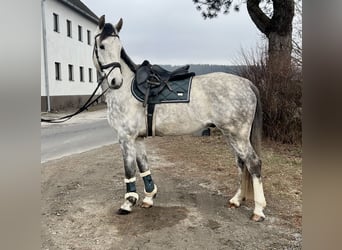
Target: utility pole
46, 71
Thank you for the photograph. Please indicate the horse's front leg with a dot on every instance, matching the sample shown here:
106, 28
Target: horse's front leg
145, 173
129, 159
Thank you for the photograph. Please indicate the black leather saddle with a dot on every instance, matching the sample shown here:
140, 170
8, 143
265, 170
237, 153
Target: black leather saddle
152, 79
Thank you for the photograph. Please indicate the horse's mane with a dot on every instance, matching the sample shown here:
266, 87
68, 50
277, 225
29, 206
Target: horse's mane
128, 61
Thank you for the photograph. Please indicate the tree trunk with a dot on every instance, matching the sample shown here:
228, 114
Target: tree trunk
278, 30
279, 52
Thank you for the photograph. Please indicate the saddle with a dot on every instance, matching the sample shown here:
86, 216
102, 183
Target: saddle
152, 79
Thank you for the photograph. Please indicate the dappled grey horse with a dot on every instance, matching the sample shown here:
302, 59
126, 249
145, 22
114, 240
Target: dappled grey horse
229, 102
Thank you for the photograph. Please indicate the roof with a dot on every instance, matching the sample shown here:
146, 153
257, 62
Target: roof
82, 9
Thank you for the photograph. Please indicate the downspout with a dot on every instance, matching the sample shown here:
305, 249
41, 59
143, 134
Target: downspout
45, 58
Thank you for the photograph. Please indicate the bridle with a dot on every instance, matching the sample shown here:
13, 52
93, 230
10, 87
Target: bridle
112, 65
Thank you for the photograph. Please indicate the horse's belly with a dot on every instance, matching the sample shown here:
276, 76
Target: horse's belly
176, 119
176, 129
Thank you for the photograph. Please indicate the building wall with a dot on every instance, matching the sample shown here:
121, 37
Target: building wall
67, 50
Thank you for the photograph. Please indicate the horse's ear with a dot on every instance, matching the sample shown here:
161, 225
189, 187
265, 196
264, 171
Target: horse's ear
101, 22
118, 26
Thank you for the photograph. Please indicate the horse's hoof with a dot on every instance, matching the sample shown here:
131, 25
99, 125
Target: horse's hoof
146, 205
257, 218
232, 205
122, 212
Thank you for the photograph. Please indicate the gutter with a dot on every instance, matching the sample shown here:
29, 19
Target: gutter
45, 58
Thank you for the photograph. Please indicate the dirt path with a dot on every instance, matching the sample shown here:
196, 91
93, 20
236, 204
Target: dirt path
195, 178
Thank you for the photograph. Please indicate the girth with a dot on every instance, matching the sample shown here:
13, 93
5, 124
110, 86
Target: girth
149, 124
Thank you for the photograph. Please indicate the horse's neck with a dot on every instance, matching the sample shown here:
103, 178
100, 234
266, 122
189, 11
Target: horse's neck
127, 74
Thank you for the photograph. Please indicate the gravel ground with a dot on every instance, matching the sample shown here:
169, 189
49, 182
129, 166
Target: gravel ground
195, 176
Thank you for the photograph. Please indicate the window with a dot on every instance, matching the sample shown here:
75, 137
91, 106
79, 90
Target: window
89, 37
81, 74
55, 22
71, 72
90, 71
79, 33
69, 31
58, 71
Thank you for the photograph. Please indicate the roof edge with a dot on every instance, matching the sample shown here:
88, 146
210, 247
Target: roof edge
84, 13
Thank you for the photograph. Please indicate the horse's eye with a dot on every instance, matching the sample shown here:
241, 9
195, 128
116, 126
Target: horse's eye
102, 46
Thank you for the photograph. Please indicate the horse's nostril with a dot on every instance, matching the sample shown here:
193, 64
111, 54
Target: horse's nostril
113, 82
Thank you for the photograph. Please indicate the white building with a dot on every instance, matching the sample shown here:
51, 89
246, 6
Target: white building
68, 76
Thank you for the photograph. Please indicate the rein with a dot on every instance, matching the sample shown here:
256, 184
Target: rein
84, 107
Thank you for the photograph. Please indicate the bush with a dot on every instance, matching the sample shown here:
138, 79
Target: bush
281, 94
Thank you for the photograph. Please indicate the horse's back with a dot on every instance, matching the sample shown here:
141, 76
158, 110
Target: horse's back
216, 98
223, 83
223, 89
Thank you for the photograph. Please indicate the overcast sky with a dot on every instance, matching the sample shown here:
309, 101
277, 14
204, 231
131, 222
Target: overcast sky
174, 32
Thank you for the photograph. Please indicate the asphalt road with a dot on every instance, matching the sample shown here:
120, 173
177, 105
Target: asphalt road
59, 140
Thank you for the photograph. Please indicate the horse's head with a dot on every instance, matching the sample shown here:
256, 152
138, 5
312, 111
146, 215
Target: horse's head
107, 51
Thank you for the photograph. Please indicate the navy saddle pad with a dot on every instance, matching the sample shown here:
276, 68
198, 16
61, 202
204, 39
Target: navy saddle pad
180, 92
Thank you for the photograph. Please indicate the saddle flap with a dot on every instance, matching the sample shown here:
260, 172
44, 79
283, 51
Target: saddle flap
143, 74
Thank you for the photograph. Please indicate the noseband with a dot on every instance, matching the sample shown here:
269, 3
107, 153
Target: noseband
112, 65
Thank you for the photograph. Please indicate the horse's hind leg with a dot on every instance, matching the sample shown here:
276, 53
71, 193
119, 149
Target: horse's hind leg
240, 195
251, 178
131, 196
145, 173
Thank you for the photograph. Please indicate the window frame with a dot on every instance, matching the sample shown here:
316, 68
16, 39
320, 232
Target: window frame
80, 35
90, 74
89, 37
58, 72
71, 72
69, 28
55, 22
81, 74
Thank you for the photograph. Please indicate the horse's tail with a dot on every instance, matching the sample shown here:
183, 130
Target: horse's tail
255, 138
256, 131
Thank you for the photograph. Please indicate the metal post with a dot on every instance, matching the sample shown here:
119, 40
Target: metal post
45, 58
